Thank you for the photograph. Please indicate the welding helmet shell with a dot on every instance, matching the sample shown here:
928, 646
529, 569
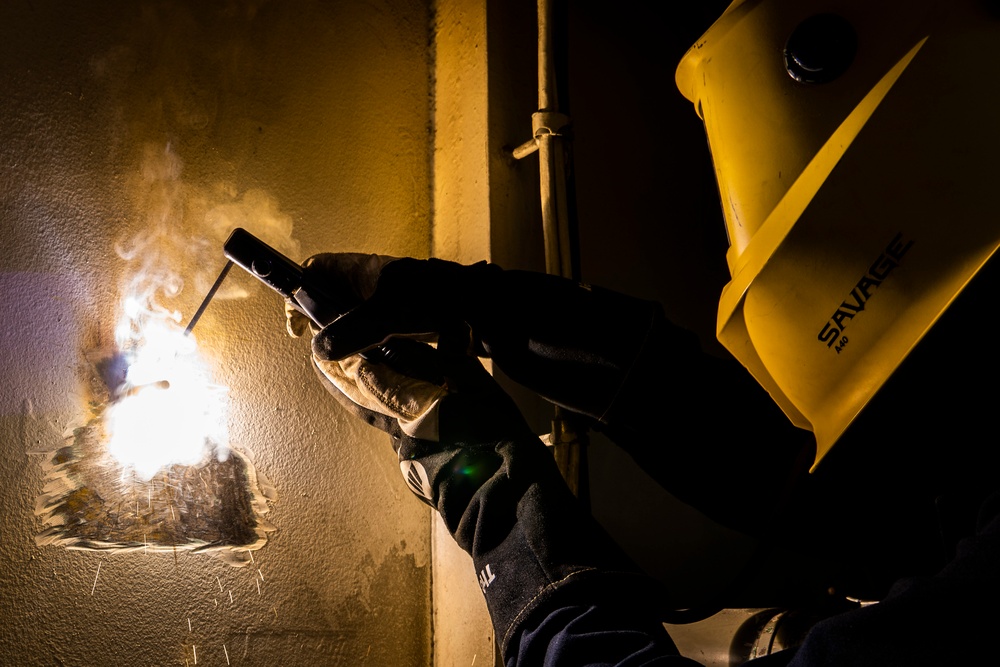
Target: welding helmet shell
855, 148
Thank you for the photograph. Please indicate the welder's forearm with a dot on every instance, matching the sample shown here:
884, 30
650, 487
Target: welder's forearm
574, 345
536, 550
704, 428
698, 423
559, 591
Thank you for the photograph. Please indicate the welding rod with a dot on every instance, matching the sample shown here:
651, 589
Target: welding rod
208, 297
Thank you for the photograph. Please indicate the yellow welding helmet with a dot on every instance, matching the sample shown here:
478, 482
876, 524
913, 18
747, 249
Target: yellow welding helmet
855, 145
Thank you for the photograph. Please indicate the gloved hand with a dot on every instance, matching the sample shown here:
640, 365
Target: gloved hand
596, 352
351, 276
570, 343
464, 449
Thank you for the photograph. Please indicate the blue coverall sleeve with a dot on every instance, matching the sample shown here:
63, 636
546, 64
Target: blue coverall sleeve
589, 633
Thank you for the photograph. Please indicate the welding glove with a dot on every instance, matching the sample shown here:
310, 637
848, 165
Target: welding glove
464, 449
351, 276
599, 353
570, 343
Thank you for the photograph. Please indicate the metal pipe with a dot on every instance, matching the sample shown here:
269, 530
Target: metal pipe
555, 215
548, 99
548, 124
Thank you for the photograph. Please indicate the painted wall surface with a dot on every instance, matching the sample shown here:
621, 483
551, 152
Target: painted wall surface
153, 127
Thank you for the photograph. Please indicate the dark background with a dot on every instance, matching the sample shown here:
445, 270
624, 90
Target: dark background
650, 225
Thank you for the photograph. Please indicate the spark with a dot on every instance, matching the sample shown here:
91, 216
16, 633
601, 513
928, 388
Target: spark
194, 650
172, 517
275, 610
95, 577
216, 601
261, 574
251, 557
137, 509
230, 597
221, 590
166, 377
189, 624
474, 656
227, 653
258, 586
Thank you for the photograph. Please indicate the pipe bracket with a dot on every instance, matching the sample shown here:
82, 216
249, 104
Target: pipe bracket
543, 123
548, 122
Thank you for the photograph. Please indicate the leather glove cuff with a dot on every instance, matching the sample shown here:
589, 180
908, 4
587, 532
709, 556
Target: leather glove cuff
571, 343
507, 505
